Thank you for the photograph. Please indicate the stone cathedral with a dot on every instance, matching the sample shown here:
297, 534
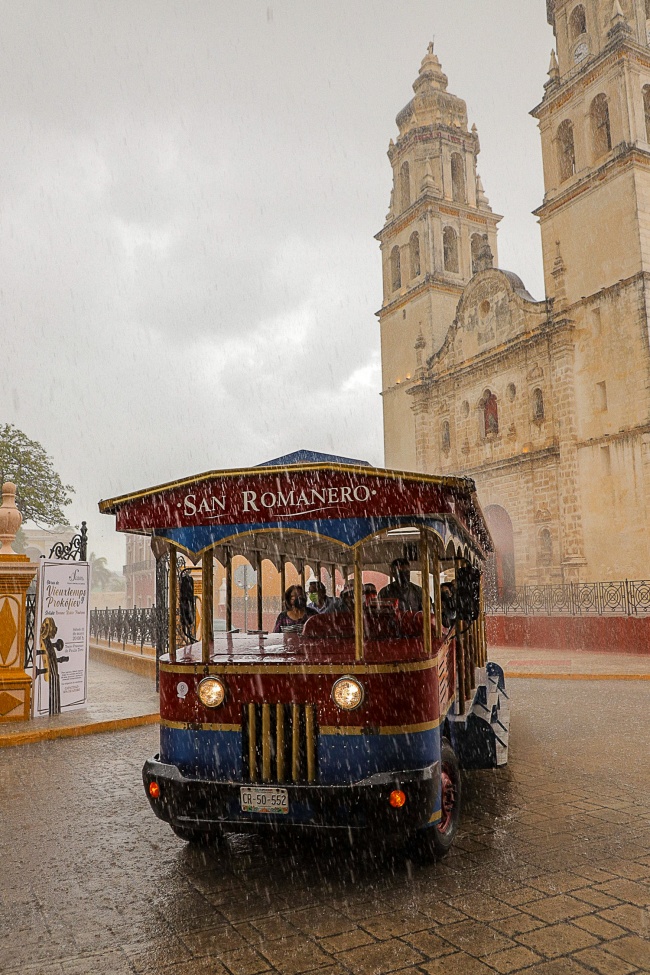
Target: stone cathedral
546, 404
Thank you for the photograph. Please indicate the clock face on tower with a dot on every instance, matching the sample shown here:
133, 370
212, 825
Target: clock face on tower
580, 52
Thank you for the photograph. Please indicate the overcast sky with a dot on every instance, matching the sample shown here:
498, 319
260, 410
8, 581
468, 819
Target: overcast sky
189, 197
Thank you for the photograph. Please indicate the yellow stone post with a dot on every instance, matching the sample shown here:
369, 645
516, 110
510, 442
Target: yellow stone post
16, 573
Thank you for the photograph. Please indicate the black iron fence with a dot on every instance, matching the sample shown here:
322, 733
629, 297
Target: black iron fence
142, 626
132, 626
625, 598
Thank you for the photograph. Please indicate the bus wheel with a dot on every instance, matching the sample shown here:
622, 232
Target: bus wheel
436, 840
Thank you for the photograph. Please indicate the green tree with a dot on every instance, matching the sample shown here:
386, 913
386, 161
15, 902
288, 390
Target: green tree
40, 494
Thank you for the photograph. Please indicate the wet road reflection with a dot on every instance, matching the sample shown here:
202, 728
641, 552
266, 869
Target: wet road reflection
552, 861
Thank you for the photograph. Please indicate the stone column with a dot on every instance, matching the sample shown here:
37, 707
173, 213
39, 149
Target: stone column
16, 574
571, 533
421, 407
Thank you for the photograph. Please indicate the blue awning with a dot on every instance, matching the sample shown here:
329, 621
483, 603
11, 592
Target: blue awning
347, 532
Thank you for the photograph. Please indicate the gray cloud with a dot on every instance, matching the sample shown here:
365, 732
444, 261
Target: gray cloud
188, 198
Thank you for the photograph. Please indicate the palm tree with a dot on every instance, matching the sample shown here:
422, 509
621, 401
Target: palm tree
100, 575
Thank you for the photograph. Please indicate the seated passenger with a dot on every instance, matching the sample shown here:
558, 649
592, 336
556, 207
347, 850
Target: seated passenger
400, 589
318, 598
345, 602
295, 612
448, 604
370, 599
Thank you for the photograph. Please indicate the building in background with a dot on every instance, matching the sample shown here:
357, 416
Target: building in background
140, 572
545, 403
40, 541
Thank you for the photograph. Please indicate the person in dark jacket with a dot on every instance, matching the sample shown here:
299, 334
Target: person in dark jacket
400, 589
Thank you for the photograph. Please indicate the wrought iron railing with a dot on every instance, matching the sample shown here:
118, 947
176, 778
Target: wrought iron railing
139, 626
132, 626
625, 598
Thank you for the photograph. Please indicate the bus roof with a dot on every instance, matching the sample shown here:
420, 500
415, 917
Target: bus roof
334, 502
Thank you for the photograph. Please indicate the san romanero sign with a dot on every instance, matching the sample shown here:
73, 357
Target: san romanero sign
307, 502
272, 496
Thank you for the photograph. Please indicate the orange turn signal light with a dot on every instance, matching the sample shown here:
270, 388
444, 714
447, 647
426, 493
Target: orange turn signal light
397, 798
154, 790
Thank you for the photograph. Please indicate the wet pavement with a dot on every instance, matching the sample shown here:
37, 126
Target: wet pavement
119, 698
116, 699
550, 873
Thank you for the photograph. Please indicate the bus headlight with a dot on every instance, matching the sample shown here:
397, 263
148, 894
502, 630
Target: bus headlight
212, 692
347, 693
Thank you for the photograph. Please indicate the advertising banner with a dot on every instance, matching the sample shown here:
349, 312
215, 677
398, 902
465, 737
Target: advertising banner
61, 636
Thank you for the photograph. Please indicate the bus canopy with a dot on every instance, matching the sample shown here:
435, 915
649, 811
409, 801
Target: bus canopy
305, 504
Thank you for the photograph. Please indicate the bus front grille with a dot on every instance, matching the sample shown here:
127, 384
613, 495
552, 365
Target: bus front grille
279, 742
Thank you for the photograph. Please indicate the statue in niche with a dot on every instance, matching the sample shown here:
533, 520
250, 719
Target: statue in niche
487, 322
502, 311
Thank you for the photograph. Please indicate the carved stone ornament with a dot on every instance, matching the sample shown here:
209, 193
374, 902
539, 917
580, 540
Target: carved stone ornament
535, 373
10, 518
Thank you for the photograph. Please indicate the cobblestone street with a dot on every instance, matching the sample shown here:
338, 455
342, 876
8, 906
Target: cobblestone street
550, 873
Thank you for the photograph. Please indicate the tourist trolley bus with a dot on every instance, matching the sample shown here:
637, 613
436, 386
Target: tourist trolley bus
358, 719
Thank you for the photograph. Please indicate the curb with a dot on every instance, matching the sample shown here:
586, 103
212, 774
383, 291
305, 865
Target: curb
530, 675
77, 731
135, 663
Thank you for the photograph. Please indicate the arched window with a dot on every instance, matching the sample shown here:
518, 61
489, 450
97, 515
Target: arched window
545, 554
477, 242
538, 404
458, 189
395, 269
405, 186
414, 254
489, 414
450, 248
577, 22
445, 438
600, 130
646, 109
566, 154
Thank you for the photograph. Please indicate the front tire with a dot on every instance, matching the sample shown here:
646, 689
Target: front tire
436, 840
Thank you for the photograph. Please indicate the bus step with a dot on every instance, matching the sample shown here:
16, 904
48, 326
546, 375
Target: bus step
480, 735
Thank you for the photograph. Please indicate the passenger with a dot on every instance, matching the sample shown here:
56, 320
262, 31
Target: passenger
345, 602
401, 590
370, 598
448, 604
318, 598
295, 612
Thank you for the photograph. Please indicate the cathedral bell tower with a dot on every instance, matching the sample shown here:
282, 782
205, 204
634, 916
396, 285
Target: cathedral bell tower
594, 122
439, 230
595, 127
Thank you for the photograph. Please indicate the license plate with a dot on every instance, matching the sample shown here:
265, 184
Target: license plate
264, 800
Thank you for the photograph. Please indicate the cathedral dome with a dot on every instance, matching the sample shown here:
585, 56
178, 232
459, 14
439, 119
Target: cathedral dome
432, 104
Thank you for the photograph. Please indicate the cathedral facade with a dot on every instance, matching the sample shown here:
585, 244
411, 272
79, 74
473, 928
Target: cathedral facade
546, 404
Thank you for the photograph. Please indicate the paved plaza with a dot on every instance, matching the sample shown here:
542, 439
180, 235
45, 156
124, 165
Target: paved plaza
550, 873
